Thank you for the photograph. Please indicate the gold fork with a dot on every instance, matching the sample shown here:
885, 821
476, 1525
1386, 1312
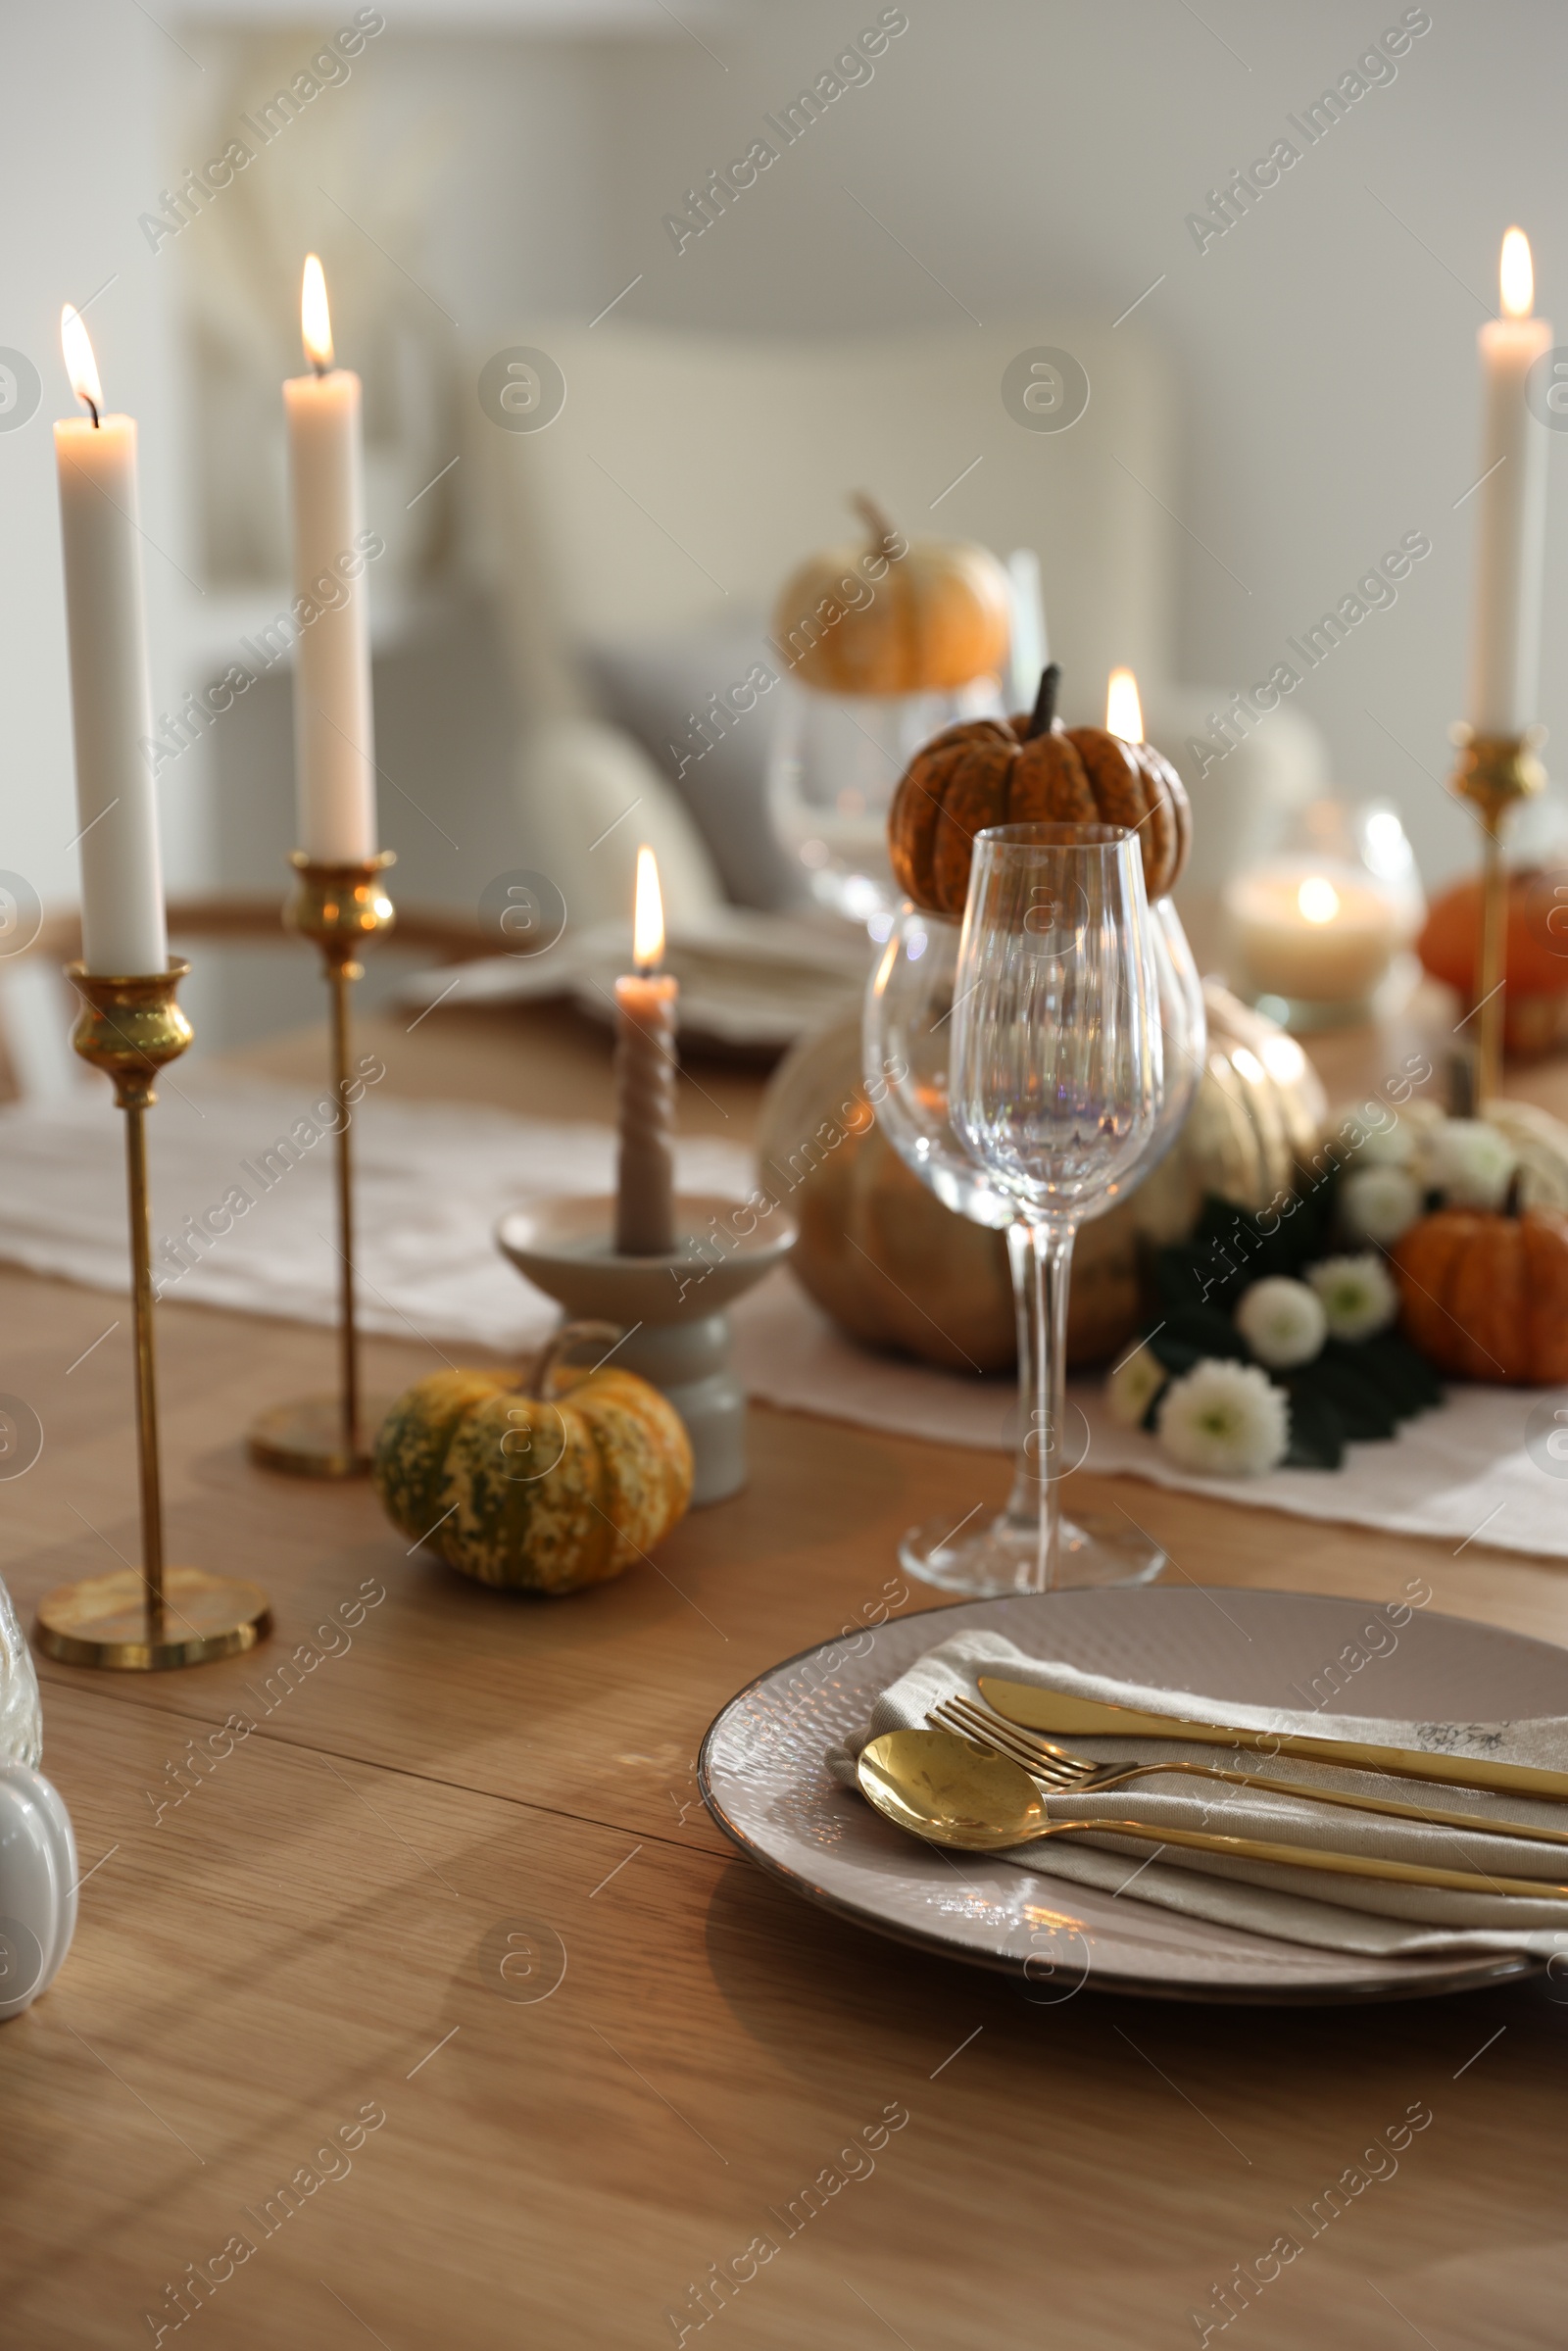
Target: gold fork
1063, 1773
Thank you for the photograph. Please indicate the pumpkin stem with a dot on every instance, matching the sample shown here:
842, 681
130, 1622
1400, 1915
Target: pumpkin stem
539, 1380
1462, 1102
876, 523
1043, 715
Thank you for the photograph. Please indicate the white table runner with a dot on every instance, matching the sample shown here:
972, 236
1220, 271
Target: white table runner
434, 1178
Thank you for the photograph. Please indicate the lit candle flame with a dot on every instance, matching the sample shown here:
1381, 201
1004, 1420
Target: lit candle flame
1123, 713
81, 365
648, 915
316, 320
1517, 275
1318, 899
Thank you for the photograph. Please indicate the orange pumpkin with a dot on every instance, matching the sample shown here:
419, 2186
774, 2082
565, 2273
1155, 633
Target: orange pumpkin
1486, 1295
1029, 769
893, 616
1534, 1018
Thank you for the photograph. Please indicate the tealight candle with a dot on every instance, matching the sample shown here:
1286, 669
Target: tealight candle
1319, 935
645, 1080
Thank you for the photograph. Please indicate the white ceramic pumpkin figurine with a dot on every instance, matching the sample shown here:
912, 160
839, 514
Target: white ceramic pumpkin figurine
37, 1851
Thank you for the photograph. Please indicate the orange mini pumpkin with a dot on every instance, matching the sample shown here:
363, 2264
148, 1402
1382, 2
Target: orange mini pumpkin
1020, 770
1486, 1295
1534, 1018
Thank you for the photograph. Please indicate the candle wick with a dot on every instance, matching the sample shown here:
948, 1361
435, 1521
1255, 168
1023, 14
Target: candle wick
320, 365
97, 421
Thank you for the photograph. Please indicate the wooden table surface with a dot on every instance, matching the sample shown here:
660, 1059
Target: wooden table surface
290, 1976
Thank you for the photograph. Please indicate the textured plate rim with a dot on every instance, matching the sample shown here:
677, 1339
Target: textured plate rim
1471, 1975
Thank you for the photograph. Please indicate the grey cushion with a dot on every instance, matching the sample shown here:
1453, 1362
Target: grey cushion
662, 692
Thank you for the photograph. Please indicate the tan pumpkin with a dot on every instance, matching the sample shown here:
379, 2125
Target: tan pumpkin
883, 1257
1486, 1294
544, 1482
1020, 770
1541, 1143
894, 617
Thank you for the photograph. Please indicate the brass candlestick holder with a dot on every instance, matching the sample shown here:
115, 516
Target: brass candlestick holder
340, 907
161, 1617
1493, 774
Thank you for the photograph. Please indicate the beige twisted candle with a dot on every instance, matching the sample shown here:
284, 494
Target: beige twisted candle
645, 1082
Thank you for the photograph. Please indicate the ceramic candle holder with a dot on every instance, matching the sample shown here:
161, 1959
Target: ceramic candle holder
673, 1306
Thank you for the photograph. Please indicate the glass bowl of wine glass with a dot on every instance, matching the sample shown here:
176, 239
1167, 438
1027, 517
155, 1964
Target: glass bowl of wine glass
907, 1040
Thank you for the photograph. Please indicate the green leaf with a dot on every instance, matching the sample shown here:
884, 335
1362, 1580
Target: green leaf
1175, 1355
1409, 1379
1317, 1433
1208, 1329
1364, 1407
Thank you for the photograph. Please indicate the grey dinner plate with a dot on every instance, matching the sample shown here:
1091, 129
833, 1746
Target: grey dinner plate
764, 1780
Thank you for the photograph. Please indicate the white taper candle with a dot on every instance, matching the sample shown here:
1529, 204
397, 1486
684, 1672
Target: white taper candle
123, 929
334, 745
1511, 521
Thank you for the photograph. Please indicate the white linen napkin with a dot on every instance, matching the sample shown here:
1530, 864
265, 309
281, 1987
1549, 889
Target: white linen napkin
1338, 1914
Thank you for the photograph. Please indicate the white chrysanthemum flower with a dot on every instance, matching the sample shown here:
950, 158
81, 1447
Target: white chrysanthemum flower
1358, 1295
1134, 1385
1282, 1322
1225, 1420
1468, 1161
1389, 1145
1378, 1204
1379, 1135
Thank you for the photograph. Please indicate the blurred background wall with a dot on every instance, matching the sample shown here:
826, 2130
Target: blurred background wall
487, 167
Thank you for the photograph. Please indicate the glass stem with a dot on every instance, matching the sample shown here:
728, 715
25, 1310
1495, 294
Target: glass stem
1023, 1502
1052, 1253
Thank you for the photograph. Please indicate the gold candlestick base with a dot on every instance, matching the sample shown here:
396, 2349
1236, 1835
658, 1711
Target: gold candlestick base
1493, 774
306, 1439
103, 1620
340, 907
161, 1617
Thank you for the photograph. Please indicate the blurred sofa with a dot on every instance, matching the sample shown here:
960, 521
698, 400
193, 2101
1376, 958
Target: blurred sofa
636, 540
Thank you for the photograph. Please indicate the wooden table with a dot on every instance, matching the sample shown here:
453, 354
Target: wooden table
309, 1940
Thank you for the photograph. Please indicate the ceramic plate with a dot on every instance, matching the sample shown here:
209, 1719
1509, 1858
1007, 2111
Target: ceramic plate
763, 1779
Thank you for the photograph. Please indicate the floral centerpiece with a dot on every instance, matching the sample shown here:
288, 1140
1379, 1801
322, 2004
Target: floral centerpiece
1276, 1338
1272, 1344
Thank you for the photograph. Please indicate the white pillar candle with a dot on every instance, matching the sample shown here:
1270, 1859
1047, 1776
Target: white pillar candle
123, 932
1511, 525
334, 747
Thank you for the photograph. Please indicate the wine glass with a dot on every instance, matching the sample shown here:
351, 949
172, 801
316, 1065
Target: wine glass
834, 763
907, 1043
1056, 1080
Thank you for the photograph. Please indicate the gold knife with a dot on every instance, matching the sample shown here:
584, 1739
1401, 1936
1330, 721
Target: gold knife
1052, 1710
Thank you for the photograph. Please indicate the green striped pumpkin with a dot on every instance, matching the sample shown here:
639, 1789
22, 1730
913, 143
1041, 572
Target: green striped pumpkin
543, 1483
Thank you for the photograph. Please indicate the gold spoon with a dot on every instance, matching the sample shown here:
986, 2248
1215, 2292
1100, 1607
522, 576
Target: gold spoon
937, 1786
